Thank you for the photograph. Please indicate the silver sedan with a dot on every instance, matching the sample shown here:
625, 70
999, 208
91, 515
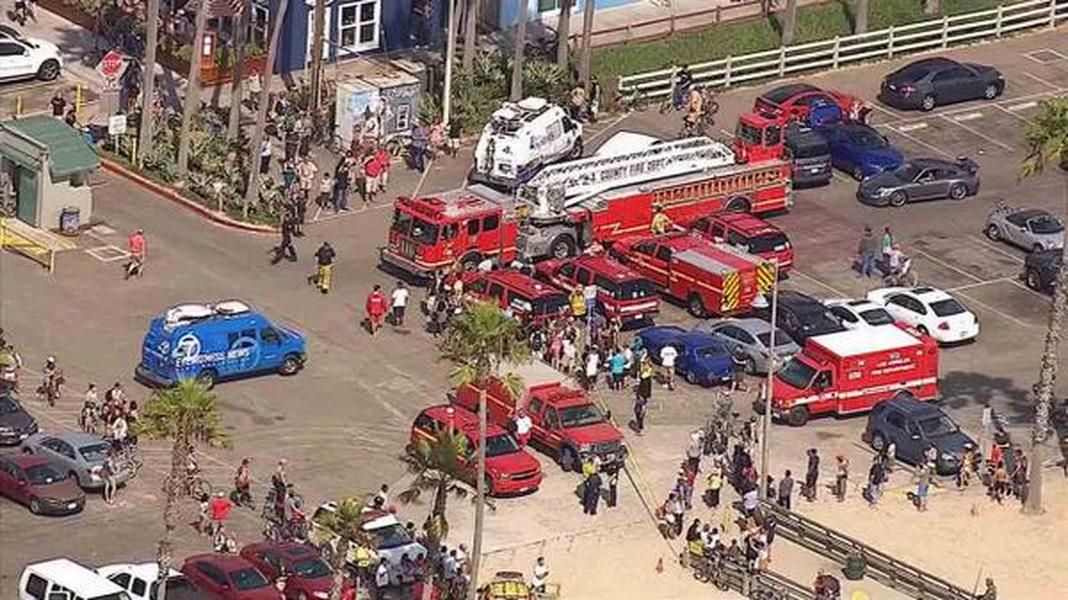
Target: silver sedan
921, 179
81, 455
752, 337
1032, 229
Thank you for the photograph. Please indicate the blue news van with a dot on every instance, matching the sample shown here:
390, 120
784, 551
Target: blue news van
212, 342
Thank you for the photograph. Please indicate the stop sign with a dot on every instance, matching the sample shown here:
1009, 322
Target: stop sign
112, 65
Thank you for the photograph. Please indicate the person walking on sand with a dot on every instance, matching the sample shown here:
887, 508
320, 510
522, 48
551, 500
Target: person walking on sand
399, 303
812, 473
841, 478
786, 490
866, 251
324, 273
375, 306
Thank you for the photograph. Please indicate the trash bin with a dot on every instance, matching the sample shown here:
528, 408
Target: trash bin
855, 567
70, 219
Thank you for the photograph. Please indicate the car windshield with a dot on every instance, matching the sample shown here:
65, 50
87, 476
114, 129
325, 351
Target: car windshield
768, 242
94, 452
580, 416
499, 445
390, 536
907, 172
248, 579
938, 426
311, 568
43, 475
866, 139
813, 146
748, 134
116, 596
797, 374
418, 229
947, 307
8, 406
781, 339
1046, 225
876, 316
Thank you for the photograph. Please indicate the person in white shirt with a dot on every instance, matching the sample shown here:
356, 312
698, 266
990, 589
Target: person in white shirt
668, 354
593, 364
382, 576
541, 575
265, 156
399, 299
523, 425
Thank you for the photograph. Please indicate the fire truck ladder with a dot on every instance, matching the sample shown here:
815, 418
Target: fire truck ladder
583, 178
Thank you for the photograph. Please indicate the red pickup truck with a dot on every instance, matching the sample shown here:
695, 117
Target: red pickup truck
621, 292
750, 234
565, 423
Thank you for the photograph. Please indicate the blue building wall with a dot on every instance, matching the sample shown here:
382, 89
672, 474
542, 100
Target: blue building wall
509, 10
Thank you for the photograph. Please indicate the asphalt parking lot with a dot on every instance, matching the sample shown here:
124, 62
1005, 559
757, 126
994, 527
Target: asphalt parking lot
345, 418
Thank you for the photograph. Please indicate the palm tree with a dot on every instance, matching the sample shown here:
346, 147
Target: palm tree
470, 34
932, 7
318, 40
789, 22
252, 192
1047, 142
345, 525
241, 24
148, 83
437, 466
563, 32
860, 16
480, 341
192, 90
587, 42
520, 51
187, 415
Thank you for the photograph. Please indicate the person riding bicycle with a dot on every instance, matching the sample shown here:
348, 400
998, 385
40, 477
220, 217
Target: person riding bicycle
695, 107
243, 483
683, 83
51, 380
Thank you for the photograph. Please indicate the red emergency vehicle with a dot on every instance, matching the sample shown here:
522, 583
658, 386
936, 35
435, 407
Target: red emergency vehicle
571, 205
621, 292
712, 279
751, 234
526, 298
852, 371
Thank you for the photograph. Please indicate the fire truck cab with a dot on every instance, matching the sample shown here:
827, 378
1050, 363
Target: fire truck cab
621, 292
749, 234
522, 296
521, 138
760, 137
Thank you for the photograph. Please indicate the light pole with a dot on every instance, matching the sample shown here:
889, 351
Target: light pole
450, 57
762, 488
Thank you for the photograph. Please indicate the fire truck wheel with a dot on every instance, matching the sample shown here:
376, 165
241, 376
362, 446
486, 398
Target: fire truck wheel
562, 246
576, 149
797, 416
696, 306
739, 204
470, 261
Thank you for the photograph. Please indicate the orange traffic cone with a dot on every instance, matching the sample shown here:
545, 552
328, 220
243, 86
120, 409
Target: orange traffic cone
660, 565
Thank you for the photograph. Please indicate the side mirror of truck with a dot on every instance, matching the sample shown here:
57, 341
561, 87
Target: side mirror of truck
608, 415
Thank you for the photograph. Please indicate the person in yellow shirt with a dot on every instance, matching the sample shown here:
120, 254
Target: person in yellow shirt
578, 304
661, 222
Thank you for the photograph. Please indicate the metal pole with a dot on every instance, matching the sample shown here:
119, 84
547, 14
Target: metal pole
762, 488
450, 57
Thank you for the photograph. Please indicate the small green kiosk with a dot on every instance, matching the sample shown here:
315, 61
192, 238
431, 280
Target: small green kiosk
48, 163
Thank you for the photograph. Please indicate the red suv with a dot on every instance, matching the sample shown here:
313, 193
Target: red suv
308, 575
509, 468
526, 298
228, 577
621, 292
751, 234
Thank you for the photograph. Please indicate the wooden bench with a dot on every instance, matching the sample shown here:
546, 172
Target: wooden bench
38, 244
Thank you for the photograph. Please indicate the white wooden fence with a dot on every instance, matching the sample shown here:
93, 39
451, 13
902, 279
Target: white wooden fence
871, 46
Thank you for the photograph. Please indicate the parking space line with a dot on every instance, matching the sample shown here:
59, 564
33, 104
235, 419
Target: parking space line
826, 286
1023, 105
1042, 81
1000, 251
969, 286
968, 116
1016, 282
943, 263
978, 133
1009, 112
998, 312
912, 126
840, 177
920, 142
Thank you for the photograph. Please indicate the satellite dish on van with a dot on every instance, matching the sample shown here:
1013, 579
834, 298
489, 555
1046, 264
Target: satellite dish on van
231, 307
185, 313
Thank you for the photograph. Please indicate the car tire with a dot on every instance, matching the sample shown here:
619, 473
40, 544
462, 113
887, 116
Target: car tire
690, 377
928, 103
696, 306
751, 366
1037, 248
898, 199
35, 506
1033, 279
48, 71
738, 204
576, 150
878, 442
993, 232
302, 596
207, 378
290, 366
797, 416
568, 461
991, 91
490, 492
857, 173
562, 246
957, 191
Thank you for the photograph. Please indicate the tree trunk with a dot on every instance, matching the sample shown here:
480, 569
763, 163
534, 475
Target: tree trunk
563, 32
1047, 375
170, 488
192, 92
241, 29
318, 38
520, 43
450, 61
587, 43
251, 194
789, 22
148, 84
932, 7
860, 16
470, 33
480, 496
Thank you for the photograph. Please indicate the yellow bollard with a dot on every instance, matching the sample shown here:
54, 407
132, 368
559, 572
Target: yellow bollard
78, 100
18, 105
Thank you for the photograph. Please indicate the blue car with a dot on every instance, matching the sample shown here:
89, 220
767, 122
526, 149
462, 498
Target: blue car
212, 342
860, 150
702, 360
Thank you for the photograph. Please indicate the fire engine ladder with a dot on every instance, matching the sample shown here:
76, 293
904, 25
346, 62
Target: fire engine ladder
583, 178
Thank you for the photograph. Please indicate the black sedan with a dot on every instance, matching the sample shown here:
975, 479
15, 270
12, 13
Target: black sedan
801, 316
931, 82
921, 179
15, 423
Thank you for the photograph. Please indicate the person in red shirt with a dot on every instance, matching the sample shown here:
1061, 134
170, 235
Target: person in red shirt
371, 170
137, 248
376, 307
218, 509
384, 159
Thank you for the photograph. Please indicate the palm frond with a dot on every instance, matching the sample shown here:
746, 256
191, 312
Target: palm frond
1046, 136
186, 411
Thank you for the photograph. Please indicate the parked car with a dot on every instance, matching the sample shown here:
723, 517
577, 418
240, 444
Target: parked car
931, 311
860, 314
913, 427
1032, 229
309, 576
1040, 269
80, 455
141, 582
753, 338
228, 577
34, 482
798, 99
702, 360
15, 423
390, 538
801, 316
64, 579
921, 179
28, 58
860, 150
931, 82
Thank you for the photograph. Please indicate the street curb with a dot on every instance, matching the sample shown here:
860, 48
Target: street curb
173, 196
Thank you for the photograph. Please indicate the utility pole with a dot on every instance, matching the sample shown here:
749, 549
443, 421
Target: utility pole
253, 190
318, 36
148, 84
192, 91
241, 23
520, 42
587, 43
450, 58
762, 480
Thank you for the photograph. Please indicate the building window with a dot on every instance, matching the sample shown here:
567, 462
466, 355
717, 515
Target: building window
548, 5
259, 25
404, 117
359, 25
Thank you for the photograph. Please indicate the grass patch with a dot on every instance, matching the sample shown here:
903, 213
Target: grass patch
814, 22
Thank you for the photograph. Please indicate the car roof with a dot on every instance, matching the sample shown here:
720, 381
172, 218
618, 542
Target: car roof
750, 324
74, 438
856, 305
289, 549
607, 267
746, 222
75, 576
1030, 213
463, 419
227, 562
930, 294
24, 460
928, 64
909, 404
521, 282
796, 299
785, 92
148, 571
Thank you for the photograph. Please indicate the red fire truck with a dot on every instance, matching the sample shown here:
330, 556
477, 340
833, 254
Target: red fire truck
621, 293
712, 279
571, 205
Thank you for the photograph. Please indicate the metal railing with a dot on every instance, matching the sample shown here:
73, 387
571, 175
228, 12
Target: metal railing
881, 567
995, 23
728, 574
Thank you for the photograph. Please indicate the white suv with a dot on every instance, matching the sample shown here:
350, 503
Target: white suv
26, 58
